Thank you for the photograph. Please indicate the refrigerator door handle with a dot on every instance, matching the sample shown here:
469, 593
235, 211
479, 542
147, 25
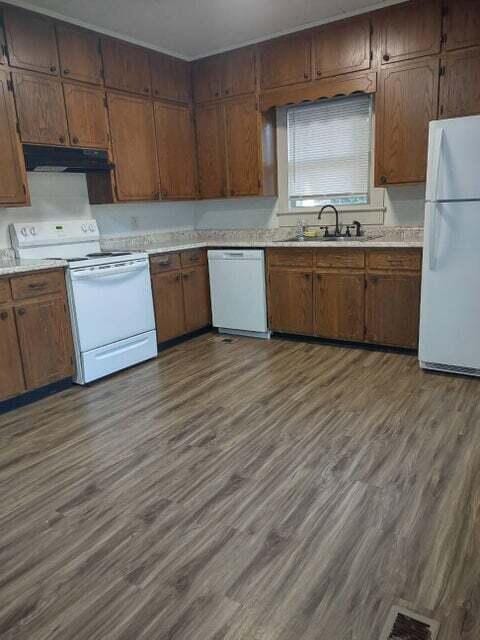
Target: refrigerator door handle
434, 232
437, 160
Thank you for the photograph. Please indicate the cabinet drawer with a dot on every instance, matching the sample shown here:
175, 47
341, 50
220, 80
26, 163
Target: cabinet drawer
340, 258
396, 259
5, 294
164, 262
290, 257
37, 284
193, 257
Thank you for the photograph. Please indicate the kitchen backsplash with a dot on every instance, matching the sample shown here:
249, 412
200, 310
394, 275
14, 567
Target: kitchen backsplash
64, 196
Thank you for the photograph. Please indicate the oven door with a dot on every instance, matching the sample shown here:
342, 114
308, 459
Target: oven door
111, 303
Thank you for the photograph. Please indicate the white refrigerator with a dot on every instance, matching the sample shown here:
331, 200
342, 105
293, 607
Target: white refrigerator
450, 307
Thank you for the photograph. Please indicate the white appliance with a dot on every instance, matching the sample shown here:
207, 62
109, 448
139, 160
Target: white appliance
450, 307
109, 294
238, 292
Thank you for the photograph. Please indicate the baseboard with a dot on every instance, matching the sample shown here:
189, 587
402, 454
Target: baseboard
33, 396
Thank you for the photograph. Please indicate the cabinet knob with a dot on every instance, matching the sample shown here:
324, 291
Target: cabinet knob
53, 68
61, 139
306, 75
216, 94
227, 92
3, 315
147, 90
156, 92
306, 276
66, 72
383, 179
185, 275
22, 312
386, 57
319, 73
75, 140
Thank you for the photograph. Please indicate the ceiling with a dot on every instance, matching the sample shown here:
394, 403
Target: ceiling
195, 28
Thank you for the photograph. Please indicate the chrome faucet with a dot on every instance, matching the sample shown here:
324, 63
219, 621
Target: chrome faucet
338, 229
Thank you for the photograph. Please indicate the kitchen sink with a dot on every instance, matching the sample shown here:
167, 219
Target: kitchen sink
331, 239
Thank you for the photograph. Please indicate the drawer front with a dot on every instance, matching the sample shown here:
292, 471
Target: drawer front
193, 257
290, 257
340, 258
38, 284
394, 260
5, 294
164, 262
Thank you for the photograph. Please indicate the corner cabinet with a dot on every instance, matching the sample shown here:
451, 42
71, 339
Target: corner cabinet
13, 180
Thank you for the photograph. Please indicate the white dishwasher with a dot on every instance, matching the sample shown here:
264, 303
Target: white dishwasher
238, 291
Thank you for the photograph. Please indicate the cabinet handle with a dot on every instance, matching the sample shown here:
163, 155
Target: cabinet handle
216, 94
37, 285
163, 262
75, 140
319, 73
386, 57
383, 179
147, 90
66, 72
185, 275
61, 139
156, 92
306, 75
307, 276
227, 92
3, 315
22, 312
53, 68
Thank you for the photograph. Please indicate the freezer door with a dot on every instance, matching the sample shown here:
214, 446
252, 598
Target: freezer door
454, 160
450, 307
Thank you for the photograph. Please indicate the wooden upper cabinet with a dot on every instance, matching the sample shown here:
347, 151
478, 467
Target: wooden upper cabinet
243, 142
176, 151
12, 166
207, 78
290, 301
460, 84
196, 296
388, 296
339, 305
132, 130
171, 78
45, 341
210, 130
40, 108
11, 372
31, 41
239, 75
462, 24
126, 66
410, 30
169, 308
406, 102
342, 47
80, 57
285, 60
86, 115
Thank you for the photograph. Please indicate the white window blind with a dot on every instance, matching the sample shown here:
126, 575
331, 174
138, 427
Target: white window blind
329, 152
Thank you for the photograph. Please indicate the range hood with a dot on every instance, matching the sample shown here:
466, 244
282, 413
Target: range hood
64, 160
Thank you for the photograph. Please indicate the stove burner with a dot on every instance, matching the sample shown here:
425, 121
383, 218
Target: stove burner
107, 254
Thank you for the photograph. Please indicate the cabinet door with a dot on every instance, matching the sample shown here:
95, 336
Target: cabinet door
210, 130
339, 305
40, 108
12, 167
87, 116
342, 47
79, 51
393, 309
462, 24
407, 100
176, 151
171, 78
460, 84
132, 131
239, 72
286, 60
169, 308
11, 372
243, 146
290, 301
31, 41
207, 78
45, 341
3, 47
411, 30
126, 66
196, 295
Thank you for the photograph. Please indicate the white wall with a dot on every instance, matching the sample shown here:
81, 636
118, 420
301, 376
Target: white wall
64, 197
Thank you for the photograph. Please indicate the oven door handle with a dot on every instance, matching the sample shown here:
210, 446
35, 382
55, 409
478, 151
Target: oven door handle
106, 272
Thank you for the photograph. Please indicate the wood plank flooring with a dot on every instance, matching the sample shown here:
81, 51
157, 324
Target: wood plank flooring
243, 491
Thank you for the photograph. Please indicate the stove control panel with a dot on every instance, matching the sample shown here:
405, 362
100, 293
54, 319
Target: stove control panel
49, 233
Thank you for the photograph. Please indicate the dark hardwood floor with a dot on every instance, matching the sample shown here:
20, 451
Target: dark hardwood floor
243, 491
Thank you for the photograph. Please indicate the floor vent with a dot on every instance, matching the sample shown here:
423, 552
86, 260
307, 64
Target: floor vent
403, 624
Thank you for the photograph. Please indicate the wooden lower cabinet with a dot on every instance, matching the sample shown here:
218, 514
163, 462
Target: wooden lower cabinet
291, 301
11, 372
339, 305
169, 307
181, 294
392, 309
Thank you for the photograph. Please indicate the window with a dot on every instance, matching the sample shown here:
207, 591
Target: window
329, 146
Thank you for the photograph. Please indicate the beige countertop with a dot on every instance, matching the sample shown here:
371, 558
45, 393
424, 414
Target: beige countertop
14, 266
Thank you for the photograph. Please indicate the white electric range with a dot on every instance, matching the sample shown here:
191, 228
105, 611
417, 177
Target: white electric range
110, 295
